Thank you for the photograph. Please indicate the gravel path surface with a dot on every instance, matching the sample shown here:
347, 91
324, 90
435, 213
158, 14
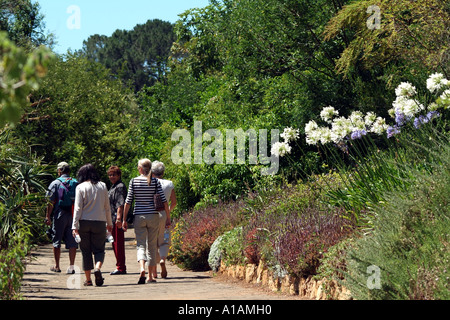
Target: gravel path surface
41, 283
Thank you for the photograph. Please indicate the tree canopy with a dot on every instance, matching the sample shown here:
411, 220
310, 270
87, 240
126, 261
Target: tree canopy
138, 56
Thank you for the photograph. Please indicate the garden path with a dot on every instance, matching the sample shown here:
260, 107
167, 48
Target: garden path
39, 283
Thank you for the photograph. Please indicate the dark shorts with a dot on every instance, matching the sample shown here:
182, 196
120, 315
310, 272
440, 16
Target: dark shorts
62, 230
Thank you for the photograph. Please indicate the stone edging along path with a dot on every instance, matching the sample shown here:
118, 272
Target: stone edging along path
308, 288
39, 283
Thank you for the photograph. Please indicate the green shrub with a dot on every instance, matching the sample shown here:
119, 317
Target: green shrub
12, 262
410, 242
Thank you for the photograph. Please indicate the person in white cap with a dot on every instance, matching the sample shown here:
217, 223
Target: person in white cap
60, 218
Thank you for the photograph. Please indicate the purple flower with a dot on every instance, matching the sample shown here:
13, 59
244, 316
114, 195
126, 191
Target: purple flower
433, 114
358, 134
419, 121
391, 131
401, 118
425, 119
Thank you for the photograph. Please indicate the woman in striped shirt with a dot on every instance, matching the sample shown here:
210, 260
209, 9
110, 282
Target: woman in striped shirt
146, 219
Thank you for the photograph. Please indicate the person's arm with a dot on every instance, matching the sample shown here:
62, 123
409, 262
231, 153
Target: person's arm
52, 202
107, 209
77, 211
166, 209
126, 208
173, 200
121, 191
119, 215
173, 203
125, 213
50, 207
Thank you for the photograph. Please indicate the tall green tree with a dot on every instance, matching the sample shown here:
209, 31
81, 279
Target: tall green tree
24, 23
138, 56
80, 115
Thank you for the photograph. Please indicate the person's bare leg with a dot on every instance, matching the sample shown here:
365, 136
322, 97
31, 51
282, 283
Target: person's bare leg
151, 272
163, 267
72, 255
87, 273
57, 255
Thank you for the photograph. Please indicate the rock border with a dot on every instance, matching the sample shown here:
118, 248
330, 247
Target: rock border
309, 287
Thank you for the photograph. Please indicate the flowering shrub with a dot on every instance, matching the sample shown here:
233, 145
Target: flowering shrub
296, 242
375, 169
306, 238
406, 108
194, 233
295, 229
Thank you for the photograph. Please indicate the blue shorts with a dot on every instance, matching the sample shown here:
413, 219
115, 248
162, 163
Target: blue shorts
62, 230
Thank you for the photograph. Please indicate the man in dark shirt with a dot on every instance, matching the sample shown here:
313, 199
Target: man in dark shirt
61, 221
117, 195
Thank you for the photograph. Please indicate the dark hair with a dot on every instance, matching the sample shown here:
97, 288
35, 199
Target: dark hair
88, 172
116, 170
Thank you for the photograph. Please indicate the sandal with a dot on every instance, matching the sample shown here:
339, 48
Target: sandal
141, 280
98, 278
151, 281
87, 283
163, 270
55, 269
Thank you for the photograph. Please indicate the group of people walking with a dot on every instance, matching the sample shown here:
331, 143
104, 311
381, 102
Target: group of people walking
97, 212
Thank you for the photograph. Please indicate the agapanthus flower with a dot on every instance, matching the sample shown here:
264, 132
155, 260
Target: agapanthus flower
436, 81
357, 120
311, 126
280, 149
328, 113
369, 118
379, 126
391, 112
405, 89
432, 114
445, 98
401, 118
408, 107
325, 135
358, 134
341, 127
313, 137
419, 121
391, 131
290, 134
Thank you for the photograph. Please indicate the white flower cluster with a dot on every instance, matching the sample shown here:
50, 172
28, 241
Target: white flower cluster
436, 82
328, 113
405, 89
280, 149
405, 108
404, 104
355, 126
408, 107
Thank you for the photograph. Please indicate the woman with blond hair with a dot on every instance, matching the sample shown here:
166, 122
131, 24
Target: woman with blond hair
146, 219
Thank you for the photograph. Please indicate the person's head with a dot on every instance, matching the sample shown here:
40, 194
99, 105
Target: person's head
158, 169
88, 173
63, 168
145, 168
114, 174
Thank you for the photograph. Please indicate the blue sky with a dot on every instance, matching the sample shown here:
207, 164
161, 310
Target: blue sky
73, 21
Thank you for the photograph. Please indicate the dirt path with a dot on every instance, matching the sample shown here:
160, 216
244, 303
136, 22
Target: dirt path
40, 283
